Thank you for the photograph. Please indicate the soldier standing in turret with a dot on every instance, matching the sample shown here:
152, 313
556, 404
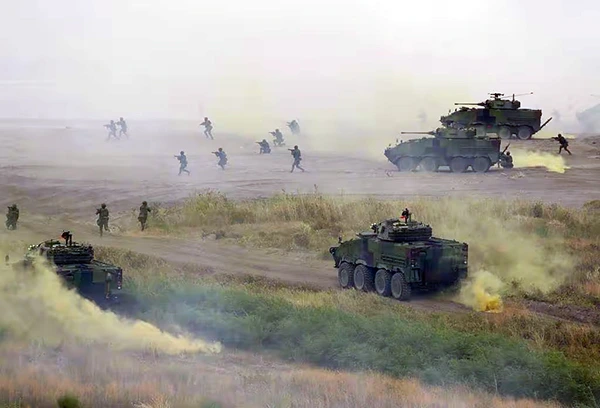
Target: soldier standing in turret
143, 216
406, 214
297, 158
564, 144
102, 221
12, 216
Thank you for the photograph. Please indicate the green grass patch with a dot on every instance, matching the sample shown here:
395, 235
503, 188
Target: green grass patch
394, 344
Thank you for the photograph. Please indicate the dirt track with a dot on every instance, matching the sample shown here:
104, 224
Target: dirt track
66, 173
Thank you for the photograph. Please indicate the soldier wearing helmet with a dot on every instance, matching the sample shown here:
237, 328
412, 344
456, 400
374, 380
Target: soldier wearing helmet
297, 158
143, 215
182, 162
103, 216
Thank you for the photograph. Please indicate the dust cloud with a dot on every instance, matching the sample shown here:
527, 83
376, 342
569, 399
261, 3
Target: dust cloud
507, 251
552, 162
36, 306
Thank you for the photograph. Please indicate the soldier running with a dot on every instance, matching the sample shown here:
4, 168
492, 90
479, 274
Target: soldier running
207, 128
564, 144
182, 163
123, 125
12, 216
102, 221
222, 157
297, 158
143, 216
112, 130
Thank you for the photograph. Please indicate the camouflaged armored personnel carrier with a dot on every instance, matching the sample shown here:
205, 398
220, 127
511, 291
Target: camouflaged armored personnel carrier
505, 117
75, 264
459, 149
397, 256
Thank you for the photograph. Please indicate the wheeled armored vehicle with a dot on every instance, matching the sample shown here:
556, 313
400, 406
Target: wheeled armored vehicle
398, 256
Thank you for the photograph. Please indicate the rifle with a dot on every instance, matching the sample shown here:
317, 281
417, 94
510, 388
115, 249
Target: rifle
504, 151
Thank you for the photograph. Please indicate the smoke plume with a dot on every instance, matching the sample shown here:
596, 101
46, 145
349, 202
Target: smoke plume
36, 305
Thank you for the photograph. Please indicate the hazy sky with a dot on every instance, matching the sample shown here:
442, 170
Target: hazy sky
273, 58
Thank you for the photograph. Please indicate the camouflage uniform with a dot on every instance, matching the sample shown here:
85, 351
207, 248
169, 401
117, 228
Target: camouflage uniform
102, 221
264, 147
564, 144
222, 157
297, 157
12, 216
506, 160
207, 128
182, 163
143, 216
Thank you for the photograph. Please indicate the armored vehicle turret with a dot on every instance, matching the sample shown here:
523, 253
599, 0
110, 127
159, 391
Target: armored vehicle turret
397, 256
457, 148
502, 116
75, 264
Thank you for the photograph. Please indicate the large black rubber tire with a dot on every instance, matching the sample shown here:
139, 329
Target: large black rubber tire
458, 164
406, 164
524, 132
429, 165
346, 275
383, 285
364, 279
400, 289
504, 132
481, 164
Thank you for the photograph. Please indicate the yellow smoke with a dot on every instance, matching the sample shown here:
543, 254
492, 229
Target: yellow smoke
552, 162
36, 306
482, 292
505, 249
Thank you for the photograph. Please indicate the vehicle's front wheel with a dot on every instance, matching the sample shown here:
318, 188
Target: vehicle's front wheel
346, 275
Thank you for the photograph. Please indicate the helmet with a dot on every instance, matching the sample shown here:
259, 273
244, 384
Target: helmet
145, 202
295, 147
103, 205
276, 130
508, 153
264, 140
181, 152
220, 149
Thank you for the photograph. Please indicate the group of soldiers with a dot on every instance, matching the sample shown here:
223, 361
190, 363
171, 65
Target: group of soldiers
112, 129
222, 156
104, 215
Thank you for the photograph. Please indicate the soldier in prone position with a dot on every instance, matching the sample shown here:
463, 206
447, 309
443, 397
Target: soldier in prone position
143, 215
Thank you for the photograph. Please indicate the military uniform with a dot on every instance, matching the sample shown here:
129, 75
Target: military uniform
222, 157
182, 163
564, 144
506, 160
297, 158
143, 215
103, 216
207, 128
12, 216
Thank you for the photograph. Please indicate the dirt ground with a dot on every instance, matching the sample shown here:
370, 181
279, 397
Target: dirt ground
58, 176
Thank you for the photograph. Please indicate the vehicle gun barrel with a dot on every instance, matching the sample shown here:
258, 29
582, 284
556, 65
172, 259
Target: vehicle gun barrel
470, 103
417, 133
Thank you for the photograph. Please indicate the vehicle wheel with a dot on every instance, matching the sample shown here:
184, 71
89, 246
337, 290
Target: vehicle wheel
406, 164
363, 278
346, 275
383, 284
504, 132
400, 289
429, 164
524, 132
458, 165
481, 164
